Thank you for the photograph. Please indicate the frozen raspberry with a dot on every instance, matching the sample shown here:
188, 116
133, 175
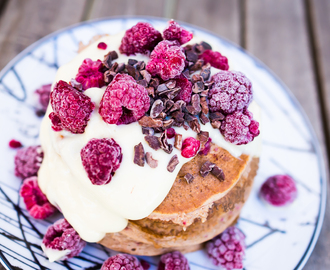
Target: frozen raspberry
175, 32
206, 149
141, 38
167, 60
72, 109
239, 128
15, 144
36, 202
231, 91
170, 132
186, 89
102, 46
44, 93
122, 262
63, 238
215, 59
90, 75
101, 158
227, 249
124, 101
28, 161
173, 261
279, 190
190, 147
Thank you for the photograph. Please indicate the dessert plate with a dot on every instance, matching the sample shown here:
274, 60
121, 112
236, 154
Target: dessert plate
289, 147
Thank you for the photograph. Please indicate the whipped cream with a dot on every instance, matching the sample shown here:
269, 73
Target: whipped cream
134, 191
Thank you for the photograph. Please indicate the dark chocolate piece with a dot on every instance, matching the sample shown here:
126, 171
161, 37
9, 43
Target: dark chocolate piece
206, 168
189, 178
218, 173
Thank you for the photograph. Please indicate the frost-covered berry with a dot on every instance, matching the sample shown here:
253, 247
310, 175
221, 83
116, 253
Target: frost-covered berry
186, 89
279, 190
101, 158
173, 261
61, 241
141, 38
44, 93
175, 32
215, 59
72, 109
190, 147
90, 75
36, 202
227, 249
124, 101
231, 91
239, 127
122, 262
167, 60
28, 161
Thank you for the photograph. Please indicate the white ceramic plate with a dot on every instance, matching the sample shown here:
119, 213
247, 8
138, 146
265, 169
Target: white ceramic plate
276, 239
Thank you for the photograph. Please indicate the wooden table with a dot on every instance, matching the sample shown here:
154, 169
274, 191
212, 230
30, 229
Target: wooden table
291, 37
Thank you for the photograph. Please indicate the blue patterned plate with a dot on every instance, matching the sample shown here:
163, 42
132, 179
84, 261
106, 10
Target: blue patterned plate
289, 147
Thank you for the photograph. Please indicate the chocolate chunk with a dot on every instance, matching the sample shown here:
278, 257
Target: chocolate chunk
161, 88
134, 73
151, 91
170, 84
189, 178
206, 168
109, 57
168, 148
147, 121
191, 56
156, 108
218, 173
203, 118
217, 116
206, 72
153, 163
198, 87
154, 82
139, 155
174, 161
132, 62
206, 46
108, 76
205, 107
146, 75
114, 67
76, 84
152, 141
147, 131
215, 124
120, 68
178, 141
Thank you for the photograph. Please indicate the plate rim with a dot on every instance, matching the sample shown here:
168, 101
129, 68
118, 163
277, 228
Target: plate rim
315, 142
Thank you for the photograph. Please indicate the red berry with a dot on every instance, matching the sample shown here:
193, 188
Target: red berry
122, 262
28, 161
215, 59
190, 147
141, 38
279, 190
173, 261
90, 75
102, 46
14, 144
170, 132
186, 89
175, 32
72, 109
145, 264
101, 158
44, 93
166, 60
36, 202
124, 101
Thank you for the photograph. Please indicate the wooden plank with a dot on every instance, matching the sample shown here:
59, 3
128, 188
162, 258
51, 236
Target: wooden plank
24, 22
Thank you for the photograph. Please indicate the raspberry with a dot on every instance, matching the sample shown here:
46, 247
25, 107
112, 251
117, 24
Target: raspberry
72, 109
102, 46
28, 161
173, 261
190, 147
62, 237
215, 59
167, 60
170, 132
36, 202
44, 93
231, 91
186, 89
90, 75
239, 128
15, 144
141, 38
122, 262
124, 101
279, 190
227, 249
101, 158
175, 32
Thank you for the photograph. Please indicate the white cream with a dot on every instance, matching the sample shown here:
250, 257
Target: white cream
54, 255
134, 192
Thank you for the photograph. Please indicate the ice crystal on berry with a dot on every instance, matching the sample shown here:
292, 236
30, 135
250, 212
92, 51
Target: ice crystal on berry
227, 249
44, 93
141, 38
72, 109
36, 202
175, 32
231, 91
101, 158
279, 190
190, 147
90, 75
215, 59
186, 89
173, 261
167, 60
28, 161
62, 238
239, 127
124, 101
122, 262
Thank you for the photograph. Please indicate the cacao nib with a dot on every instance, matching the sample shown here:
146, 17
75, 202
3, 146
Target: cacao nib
189, 178
203, 118
215, 124
206, 72
174, 161
217, 116
168, 148
153, 163
146, 75
147, 131
157, 108
178, 141
205, 107
154, 82
152, 141
218, 173
132, 62
139, 155
170, 84
147, 121
206, 168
